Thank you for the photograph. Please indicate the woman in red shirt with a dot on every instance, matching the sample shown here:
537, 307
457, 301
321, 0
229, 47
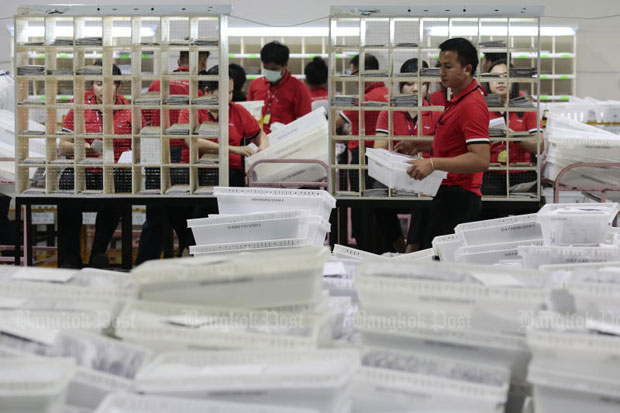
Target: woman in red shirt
524, 152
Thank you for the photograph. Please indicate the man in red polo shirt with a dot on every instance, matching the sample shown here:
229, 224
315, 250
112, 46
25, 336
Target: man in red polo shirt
461, 143
286, 98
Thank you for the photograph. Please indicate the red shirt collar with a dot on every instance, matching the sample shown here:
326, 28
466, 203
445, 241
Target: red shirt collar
372, 86
182, 69
472, 86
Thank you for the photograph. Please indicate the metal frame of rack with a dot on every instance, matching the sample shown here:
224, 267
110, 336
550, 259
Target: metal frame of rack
121, 29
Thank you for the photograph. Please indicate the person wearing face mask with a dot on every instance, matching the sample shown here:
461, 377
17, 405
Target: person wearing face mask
460, 145
494, 182
70, 219
405, 123
286, 98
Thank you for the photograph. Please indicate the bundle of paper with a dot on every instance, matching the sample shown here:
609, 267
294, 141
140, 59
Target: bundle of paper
31, 70
493, 43
521, 102
523, 71
205, 42
60, 72
375, 73
32, 100
178, 129
210, 129
177, 100
205, 100
493, 100
150, 131
33, 44
430, 71
90, 70
149, 44
374, 103
150, 98
405, 100
89, 41
62, 42
405, 44
345, 100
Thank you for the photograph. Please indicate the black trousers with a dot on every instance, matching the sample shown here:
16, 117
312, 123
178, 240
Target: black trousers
451, 206
70, 219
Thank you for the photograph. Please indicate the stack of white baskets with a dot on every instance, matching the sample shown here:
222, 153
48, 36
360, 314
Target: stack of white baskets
253, 219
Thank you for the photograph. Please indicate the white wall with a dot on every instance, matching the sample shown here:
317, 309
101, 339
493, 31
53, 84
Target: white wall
598, 46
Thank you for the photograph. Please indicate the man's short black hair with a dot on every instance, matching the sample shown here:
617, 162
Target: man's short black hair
370, 62
184, 56
316, 72
211, 84
494, 57
466, 51
274, 52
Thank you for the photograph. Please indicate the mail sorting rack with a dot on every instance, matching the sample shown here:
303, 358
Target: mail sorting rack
136, 144
394, 35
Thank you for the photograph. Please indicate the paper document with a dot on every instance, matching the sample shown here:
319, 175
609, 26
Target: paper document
125, 157
498, 123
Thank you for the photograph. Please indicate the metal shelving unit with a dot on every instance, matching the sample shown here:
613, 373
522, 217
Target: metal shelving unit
145, 43
395, 34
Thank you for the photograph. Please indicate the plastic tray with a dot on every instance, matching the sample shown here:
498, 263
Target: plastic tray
133, 403
446, 245
34, 384
491, 254
572, 393
427, 255
250, 200
576, 224
251, 246
391, 170
596, 291
166, 327
428, 383
342, 251
317, 379
261, 279
500, 230
535, 257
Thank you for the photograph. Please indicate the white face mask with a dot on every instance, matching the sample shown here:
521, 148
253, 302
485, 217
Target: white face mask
272, 75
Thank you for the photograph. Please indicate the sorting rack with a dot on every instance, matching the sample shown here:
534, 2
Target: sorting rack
149, 39
395, 34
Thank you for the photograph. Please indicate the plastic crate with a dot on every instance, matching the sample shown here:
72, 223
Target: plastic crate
572, 393
509, 229
262, 279
34, 384
596, 290
342, 251
391, 170
259, 227
133, 403
535, 257
446, 245
427, 255
251, 246
251, 200
317, 379
166, 327
576, 224
491, 254
428, 383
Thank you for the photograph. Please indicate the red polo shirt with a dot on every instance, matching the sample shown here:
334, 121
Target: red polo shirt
517, 123
286, 100
93, 123
438, 98
465, 120
240, 125
318, 93
376, 92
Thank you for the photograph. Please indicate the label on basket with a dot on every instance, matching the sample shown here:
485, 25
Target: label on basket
496, 279
44, 274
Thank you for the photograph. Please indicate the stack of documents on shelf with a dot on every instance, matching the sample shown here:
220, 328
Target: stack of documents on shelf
521, 102
63, 42
492, 43
493, 100
205, 100
90, 70
210, 129
430, 71
31, 70
177, 42
60, 72
345, 100
373, 192
89, 41
177, 100
33, 44
375, 73
405, 100
205, 42
178, 129
523, 71
405, 44
150, 98
150, 131
374, 103
497, 127
149, 44
32, 132
32, 100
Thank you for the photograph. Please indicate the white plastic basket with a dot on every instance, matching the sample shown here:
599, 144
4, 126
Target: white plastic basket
34, 384
391, 170
166, 327
261, 279
428, 383
427, 255
535, 257
572, 393
576, 224
250, 246
509, 229
233, 200
446, 245
317, 379
342, 251
596, 291
490, 254
133, 403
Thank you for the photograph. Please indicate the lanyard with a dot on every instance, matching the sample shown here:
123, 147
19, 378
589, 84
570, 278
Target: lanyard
412, 131
270, 99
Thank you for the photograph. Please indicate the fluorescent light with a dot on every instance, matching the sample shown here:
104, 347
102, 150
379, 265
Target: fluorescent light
67, 31
501, 31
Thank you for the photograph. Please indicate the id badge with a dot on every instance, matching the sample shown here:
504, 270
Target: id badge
267, 119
